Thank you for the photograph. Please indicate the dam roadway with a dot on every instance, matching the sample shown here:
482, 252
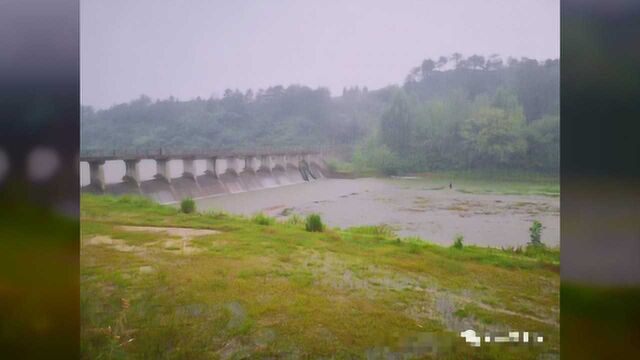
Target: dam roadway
226, 171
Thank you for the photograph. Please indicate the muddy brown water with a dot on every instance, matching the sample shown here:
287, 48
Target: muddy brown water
411, 207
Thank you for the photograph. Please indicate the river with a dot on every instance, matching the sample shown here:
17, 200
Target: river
412, 207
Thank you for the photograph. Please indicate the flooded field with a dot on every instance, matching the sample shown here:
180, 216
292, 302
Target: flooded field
412, 207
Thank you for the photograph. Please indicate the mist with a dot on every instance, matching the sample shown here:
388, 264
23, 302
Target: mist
200, 48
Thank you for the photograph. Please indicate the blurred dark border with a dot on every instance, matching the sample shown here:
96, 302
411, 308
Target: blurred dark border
600, 216
600, 179
39, 228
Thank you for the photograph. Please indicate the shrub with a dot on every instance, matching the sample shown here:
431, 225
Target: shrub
187, 205
263, 219
535, 232
313, 222
458, 242
372, 154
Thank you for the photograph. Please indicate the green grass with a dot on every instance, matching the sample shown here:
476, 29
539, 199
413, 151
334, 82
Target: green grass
263, 219
513, 182
480, 181
278, 290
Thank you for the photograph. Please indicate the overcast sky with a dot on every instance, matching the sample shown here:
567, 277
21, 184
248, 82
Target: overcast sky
196, 48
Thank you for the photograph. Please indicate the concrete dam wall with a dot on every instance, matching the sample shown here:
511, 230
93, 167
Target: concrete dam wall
239, 174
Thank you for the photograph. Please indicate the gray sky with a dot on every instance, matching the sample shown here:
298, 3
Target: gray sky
196, 48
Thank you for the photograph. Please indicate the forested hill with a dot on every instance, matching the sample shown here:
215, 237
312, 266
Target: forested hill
453, 112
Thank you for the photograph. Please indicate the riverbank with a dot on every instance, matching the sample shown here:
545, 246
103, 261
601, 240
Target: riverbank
231, 287
484, 181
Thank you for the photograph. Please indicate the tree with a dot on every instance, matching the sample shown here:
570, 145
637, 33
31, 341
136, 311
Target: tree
371, 154
442, 61
438, 125
397, 125
543, 143
494, 62
456, 57
444, 117
476, 62
427, 67
494, 136
413, 76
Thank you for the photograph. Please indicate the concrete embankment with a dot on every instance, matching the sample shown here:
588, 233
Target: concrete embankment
170, 190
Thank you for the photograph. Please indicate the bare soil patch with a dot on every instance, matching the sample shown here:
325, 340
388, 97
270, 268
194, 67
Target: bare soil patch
184, 233
178, 241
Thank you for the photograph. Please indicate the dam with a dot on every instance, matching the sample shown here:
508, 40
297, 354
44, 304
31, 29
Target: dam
226, 172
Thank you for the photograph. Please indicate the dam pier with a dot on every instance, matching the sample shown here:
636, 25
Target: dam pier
224, 172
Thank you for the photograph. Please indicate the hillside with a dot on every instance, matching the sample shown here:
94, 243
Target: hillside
450, 113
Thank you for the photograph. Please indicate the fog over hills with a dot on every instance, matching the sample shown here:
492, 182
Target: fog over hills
165, 48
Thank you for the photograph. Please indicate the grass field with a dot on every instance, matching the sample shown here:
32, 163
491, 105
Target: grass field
156, 283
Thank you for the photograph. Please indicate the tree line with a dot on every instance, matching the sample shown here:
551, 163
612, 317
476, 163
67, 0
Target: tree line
450, 113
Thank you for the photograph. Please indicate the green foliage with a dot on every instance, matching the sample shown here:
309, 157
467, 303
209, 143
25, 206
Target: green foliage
493, 135
262, 219
458, 242
397, 124
452, 113
313, 223
437, 137
535, 232
187, 205
371, 155
456, 131
543, 143
335, 165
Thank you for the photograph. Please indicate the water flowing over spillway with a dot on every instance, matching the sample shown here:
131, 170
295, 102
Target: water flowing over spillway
273, 171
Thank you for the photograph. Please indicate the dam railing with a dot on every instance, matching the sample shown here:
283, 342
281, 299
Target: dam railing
180, 153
